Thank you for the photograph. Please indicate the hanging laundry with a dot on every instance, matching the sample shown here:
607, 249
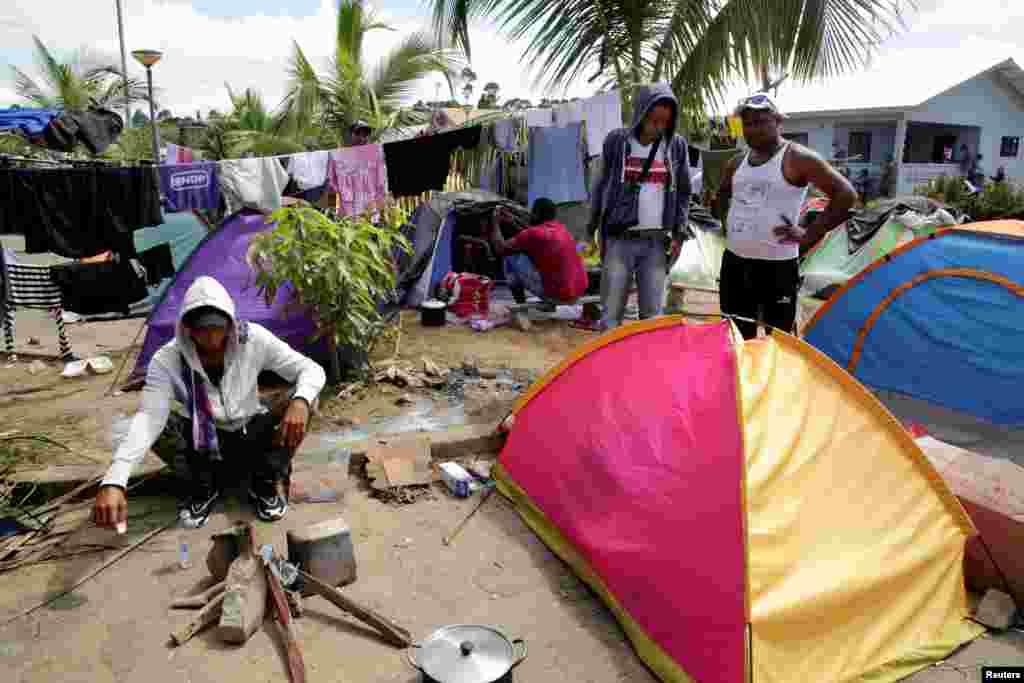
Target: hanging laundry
176, 154
421, 164
309, 170
539, 118
190, 186
360, 177
603, 114
570, 112
158, 262
96, 129
505, 134
252, 184
31, 122
556, 165
78, 212
93, 288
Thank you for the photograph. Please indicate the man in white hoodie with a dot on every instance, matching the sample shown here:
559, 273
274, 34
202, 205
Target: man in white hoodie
210, 369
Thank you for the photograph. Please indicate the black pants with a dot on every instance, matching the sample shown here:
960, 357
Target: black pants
253, 452
761, 290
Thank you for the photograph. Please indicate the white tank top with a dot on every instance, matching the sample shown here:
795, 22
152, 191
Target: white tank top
761, 196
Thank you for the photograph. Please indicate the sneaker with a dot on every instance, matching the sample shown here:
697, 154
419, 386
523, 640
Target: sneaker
272, 507
197, 510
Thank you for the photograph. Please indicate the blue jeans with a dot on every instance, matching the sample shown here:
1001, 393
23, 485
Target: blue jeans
519, 270
624, 258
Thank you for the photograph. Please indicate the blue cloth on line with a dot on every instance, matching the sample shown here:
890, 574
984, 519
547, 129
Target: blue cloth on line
29, 121
556, 164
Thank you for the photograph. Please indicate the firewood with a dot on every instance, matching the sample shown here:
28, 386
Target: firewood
245, 597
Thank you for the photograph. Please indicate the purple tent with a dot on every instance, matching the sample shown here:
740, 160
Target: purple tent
222, 256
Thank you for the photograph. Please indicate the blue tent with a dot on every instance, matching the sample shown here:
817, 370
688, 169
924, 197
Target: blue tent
183, 231
936, 329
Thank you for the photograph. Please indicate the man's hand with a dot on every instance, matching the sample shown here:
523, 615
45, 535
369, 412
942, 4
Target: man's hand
293, 425
111, 507
787, 234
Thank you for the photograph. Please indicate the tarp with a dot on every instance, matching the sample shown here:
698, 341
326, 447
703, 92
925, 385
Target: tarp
31, 122
940, 320
223, 256
741, 505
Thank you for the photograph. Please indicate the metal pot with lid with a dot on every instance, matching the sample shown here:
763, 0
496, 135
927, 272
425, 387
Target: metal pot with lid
467, 654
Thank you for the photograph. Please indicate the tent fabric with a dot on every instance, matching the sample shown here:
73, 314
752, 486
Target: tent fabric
184, 232
223, 256
702, 503
941, 320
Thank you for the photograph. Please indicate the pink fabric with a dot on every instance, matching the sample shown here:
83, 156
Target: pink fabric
176, 154
359, 176
635, 454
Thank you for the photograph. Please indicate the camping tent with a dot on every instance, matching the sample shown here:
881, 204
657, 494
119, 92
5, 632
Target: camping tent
741, 505
223, 255
183, 231
936, 329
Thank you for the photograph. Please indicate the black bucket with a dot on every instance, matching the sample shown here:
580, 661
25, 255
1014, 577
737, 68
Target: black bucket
433, 313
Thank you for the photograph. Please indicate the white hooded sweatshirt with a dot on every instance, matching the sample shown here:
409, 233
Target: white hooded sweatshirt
251, 349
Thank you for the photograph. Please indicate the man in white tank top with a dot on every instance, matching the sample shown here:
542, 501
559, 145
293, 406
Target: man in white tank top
762, 193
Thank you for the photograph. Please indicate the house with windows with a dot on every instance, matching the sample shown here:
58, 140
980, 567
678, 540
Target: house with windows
922, 134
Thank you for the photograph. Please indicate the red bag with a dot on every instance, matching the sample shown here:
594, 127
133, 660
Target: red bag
468, 294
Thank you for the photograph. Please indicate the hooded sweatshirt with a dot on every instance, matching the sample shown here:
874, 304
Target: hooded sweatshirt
251, 349
612, 205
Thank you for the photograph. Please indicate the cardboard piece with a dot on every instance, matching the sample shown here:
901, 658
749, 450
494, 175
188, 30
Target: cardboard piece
402, 463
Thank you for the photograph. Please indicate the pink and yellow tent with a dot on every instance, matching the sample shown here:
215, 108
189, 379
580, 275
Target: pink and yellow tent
747, 510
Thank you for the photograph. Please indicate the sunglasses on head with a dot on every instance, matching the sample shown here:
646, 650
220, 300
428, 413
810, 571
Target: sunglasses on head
756, 99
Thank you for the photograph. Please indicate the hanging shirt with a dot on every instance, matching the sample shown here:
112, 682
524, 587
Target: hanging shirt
190, 186
651, 202
309, 170
360, 177
556, 165
553, 252
762, 199
603, 114
421, 164
252, 184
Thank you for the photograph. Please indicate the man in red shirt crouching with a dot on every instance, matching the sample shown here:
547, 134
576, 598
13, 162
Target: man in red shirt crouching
542, 259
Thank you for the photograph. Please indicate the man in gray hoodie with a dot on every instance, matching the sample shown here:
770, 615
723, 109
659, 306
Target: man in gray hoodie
640, 202
210, 370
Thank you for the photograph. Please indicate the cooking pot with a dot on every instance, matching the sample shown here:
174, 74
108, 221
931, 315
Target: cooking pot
467, 654
433, 312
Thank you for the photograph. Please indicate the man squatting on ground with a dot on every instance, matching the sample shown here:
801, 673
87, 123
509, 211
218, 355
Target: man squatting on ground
641, 199
211, 369
762, 193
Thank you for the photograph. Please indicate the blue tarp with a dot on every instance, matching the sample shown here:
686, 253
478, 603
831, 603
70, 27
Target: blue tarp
29, 121
955, 342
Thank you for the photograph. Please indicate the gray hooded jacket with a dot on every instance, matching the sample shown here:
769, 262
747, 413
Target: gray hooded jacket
614, 206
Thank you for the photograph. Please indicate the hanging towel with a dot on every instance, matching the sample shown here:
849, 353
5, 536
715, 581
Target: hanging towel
252, 184
95, 288
603, 114
539, 118
190, 186
309, 170
505, 134
360, 177
556, 165
421, 164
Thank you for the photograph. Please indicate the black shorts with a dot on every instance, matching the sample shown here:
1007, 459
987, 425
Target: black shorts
759, 289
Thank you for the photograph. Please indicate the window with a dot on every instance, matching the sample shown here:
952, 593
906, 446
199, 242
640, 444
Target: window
798, 138
1009, 147
860, 145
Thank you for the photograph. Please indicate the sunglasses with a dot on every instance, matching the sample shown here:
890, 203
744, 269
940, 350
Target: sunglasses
756, 100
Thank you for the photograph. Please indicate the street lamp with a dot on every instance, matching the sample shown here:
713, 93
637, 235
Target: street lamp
148, 58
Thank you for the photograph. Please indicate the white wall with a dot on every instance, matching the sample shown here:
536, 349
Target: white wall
986, 102
883, 138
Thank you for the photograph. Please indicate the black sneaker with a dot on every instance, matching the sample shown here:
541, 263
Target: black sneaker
271, 504
197, 510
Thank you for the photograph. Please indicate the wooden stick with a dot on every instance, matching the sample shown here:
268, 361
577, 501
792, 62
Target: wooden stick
296, 667
392, 632
200, 599
447, 540
208, 615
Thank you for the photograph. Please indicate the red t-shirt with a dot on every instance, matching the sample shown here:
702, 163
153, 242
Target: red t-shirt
553, 251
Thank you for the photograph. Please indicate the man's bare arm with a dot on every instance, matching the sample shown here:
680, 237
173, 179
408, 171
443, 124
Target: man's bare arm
811, 168
724, 194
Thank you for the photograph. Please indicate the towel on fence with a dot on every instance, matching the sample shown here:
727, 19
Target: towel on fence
190, 186
556, 165
603, 114
360, 177
421, 164
252, 184
309, 169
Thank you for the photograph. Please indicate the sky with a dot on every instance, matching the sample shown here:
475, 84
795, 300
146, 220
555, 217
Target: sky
247, 43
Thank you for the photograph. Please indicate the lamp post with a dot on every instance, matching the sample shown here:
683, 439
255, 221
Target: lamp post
124, 67
148, 58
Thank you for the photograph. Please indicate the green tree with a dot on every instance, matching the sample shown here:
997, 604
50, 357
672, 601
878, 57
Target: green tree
249, 128
325, 103
699, 46
83, 81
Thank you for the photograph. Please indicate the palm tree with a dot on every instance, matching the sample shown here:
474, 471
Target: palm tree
325, 104
699, 46
249, 127
78, 84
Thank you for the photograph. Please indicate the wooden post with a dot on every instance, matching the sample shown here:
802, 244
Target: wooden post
245, 598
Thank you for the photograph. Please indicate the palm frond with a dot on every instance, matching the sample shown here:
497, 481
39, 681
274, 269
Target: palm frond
396, 76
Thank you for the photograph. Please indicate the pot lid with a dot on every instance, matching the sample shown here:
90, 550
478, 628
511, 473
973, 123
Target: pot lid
433, 303
466, 654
